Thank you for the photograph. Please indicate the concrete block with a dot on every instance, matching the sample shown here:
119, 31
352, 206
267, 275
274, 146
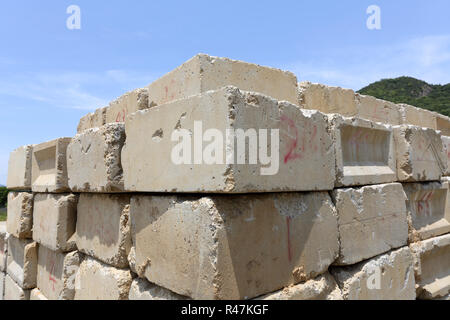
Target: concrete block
365, 152
141, 289
49, 166
56, 273
3, 246
14, 292
20, 214
22, 262
93, 159
37, 295
427, 205
2, 285
128, 103
446, 146
304, 146
54, 220
103, 228
372, 220
442, 124
386, 277
324, 287
98, 281
95, 119
417, 116
377, 110
327, 99
203, 73
19, 169
420, 154
233, 247
432, 267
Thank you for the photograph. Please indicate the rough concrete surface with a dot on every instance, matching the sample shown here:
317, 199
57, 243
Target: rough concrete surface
377, 110
20, 214
19, 169
13, 291
141, 289
22, 262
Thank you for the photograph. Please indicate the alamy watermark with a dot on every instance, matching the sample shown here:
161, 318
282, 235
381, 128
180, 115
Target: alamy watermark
374, 20
73, 22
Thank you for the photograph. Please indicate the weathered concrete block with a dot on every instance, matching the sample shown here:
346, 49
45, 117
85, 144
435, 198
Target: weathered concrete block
233, 247
128, 103
97, 281
103, 228
446, 146
323, 287
432, 267
93, 159
2, 285
365, 152
377, 110
372, 220
304, 146
14, 292
49, 166
3, 246
54, 220
442, 124
327, 99
19, 169
20, 214
204, 73
427, 209
95, 119
386, 277
420, 154
141, 289
56, 273
37, 295
22, 262
417, 116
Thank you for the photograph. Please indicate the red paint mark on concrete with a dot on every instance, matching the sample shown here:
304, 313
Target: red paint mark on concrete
293, 142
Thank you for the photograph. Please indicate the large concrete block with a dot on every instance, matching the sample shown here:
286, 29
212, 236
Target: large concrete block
233, 247
377, 110
365, 152
98, 281
372, 220
303, 135
19, 169
323, 287
95, 119
20, 214
386, 277
2, 285
141, 289
35, 294
3, 246
54, 220
420, 154
128, 103
22, 262
427, 205
103, 228
204, 73
432, 267
327, 99
14, 292
446, 146
442, 124
49, 166
417, 116
93, 159
56, 273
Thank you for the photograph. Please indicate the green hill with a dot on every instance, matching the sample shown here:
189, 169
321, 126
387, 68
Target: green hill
412, 91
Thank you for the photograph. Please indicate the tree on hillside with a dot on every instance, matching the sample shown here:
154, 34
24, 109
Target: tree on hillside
3, 196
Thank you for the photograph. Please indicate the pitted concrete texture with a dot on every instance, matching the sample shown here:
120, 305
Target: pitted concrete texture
22, 262
420, 154
386, 277
20, 214
446, 146
417, 116
323, 287
93, 159
37, 295
305, 148
372, 220
103, 228
92, 120
127, 104
49, 166
365, 152
203, 73
3, 246
442, 124
2, 285
377, 110
98, 281
141, 289
13, 291
432, 267
233, 247
19, 169
427, 205
56, 273
54, 220
327, 99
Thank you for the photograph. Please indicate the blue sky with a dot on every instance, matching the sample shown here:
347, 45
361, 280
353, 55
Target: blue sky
50, 76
